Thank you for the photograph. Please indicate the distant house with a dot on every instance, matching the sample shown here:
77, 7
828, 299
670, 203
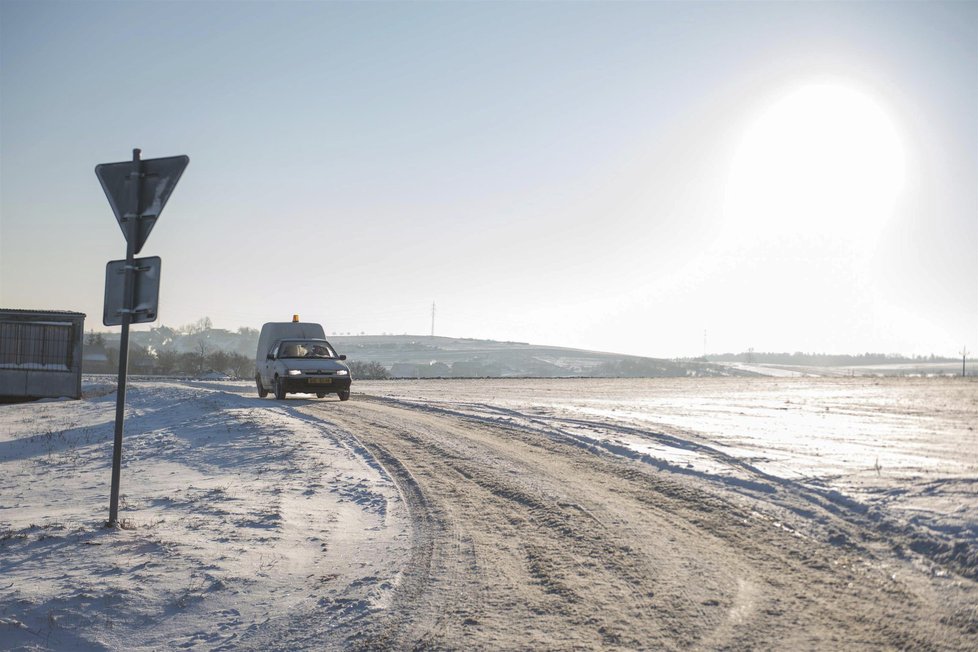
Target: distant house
40, 353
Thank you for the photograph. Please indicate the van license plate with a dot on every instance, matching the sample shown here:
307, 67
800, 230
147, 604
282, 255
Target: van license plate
320, 381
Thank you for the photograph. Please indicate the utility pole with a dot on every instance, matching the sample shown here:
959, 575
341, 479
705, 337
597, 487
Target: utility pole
432, 318
964, 356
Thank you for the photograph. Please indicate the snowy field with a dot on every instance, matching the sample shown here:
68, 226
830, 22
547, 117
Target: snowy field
248, 522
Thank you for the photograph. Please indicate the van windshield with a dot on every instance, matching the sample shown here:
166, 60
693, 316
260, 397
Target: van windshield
306, 349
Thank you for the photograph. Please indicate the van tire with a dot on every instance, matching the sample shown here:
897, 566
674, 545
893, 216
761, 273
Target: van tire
262, 392
344, 395
279, 389
320, 394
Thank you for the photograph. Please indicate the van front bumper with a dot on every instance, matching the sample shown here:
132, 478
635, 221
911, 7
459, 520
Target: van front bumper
316, 384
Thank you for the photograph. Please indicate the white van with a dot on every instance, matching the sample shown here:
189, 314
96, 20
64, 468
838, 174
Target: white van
295, 357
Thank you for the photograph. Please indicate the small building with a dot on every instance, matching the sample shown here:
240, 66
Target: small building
40, 353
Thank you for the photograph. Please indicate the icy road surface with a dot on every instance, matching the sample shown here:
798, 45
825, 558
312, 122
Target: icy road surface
498, 514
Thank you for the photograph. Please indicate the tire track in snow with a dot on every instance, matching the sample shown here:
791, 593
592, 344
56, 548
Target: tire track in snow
537, 542
839, 519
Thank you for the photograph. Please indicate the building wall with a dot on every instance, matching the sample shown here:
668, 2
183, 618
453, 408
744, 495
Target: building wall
41, 353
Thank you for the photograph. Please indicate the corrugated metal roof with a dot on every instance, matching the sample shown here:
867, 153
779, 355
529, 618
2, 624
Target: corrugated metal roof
25, 312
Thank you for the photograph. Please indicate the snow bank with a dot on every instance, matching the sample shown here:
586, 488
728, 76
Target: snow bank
242, 521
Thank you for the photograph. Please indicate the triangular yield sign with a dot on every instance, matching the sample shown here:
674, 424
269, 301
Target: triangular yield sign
158, 176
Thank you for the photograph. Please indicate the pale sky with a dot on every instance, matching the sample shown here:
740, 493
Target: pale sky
627, 177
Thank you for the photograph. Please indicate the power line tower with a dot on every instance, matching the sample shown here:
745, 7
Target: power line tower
432, 318
964, 357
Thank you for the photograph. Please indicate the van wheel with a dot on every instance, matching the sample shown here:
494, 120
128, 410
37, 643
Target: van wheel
344, 395
262, 392
320, 394
279, 389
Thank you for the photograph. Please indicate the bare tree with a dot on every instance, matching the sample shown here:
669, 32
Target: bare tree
202, 325
201, 355
368, 370
168, 360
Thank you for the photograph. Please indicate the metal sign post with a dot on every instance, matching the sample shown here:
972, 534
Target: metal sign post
131, 225
137, 192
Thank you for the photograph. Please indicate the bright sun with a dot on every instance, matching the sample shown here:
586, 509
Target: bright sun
823, 161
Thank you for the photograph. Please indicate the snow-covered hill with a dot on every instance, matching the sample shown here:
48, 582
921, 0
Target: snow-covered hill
421, 356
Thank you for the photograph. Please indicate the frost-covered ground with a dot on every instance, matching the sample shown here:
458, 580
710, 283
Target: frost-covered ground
254, 523
241, 522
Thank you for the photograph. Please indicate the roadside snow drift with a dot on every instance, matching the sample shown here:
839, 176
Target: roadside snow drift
242, 522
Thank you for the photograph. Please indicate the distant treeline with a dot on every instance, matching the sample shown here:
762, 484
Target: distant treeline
204, 358
198, 348
825, 359
656, 368
103, 357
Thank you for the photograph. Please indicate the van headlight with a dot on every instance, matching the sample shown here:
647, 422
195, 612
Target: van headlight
293, 372
342, 372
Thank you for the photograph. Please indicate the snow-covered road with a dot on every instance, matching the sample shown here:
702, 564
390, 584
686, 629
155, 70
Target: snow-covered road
496, 514
904, 448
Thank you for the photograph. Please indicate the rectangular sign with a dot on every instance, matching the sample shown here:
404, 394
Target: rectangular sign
146, 292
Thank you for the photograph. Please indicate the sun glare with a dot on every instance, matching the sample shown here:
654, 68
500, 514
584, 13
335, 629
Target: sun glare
824, 161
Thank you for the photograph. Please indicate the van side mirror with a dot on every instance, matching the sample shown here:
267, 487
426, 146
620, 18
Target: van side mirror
270, 356
343, 357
